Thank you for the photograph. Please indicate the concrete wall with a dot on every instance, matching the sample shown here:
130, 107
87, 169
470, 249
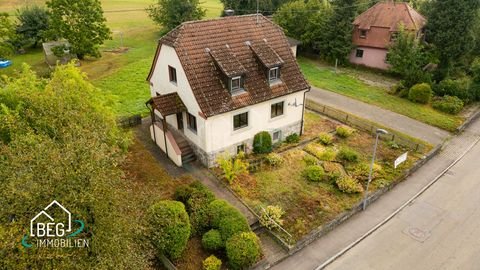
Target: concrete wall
372, 57
171, 147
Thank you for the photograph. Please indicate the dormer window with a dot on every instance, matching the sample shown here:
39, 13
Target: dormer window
274, 74
363, 33
236, 84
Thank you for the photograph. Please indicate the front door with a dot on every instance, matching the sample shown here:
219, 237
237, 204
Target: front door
180, 121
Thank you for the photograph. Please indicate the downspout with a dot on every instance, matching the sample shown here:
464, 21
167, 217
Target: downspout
303, 109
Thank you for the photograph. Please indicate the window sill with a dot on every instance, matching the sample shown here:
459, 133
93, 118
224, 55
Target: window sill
192, 130
241, 129
275, 82
273, 119
174, 83
237, 92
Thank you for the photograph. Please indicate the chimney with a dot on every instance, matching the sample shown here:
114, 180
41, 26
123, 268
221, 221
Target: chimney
229, 12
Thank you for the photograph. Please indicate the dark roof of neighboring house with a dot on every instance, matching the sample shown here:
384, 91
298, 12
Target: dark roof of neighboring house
201, 45
293, 42
390, 15
168, 104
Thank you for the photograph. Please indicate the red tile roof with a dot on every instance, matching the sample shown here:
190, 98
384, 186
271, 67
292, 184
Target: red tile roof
168, 104
191, 40
227, 61
390, 15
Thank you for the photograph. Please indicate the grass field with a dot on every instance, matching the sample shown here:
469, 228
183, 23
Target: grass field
350, 86
122, 74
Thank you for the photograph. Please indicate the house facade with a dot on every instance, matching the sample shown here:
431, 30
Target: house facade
216, 83
375, 29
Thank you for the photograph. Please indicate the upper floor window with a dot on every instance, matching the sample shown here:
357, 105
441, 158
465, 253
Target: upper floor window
240, 120
172, 74
192, 122
363, 33
236, 83
274, 74
276, 109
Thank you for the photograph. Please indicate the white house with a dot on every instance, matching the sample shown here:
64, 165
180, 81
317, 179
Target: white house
216, 83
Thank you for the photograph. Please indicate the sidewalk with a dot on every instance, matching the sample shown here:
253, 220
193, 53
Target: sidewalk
323, 248
384, 117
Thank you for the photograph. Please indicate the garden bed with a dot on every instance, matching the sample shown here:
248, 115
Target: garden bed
309, 205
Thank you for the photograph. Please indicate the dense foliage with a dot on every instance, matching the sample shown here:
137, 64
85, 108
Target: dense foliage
81, 23
171, 13
243, 250
241, 7
212, 263
292, 138
227, 219
169, 228
463, 88
232, 166
344, 131
325, 138
314, 173
348, 155
7, 35
32, 23
212, 240
59, 141
448, 104
349, 185
420, 93
340, 30
262, 143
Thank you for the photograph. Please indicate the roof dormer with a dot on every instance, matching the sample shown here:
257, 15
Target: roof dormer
269, 60
233, 72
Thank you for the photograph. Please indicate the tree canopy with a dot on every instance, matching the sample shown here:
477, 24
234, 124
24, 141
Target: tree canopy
81, 23
7, 34
241, 7
171, 13
59, 141
32, 23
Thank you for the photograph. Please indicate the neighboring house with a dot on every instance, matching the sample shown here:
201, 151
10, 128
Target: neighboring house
216, 83
293, 45
375, 29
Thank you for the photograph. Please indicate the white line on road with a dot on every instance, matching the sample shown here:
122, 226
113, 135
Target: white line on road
361, 238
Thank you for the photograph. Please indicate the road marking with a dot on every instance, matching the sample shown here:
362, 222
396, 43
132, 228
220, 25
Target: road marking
411, 200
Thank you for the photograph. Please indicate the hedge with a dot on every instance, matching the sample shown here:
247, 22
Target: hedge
262, 143
169, 227
448, 104
420, 93
243, 250
212, 240
227, 219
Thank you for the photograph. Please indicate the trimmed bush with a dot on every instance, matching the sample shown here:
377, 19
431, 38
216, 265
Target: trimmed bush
347, 154
274, 159
310, 160
243, 250
344, 131
325, 138
169, 227
328, 155
271, 216
227, 219
314, 173
212, 240
420, 93
461, 88
293, 138
448, 104
262, 143
212, 263
348, 185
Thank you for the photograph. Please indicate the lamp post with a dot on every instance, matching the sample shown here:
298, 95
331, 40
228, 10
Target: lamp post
378, 133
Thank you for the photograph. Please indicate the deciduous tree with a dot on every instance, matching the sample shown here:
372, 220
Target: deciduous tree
171, 13
32, 23
7, 35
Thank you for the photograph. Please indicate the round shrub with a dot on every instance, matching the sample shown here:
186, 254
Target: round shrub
344, 131
293, 138
448, 104
227, 219
460, 88
262, 143
271, 216
347, 154
420, 93
349, 185
310, 160
274, 159
314, 173
325, 138
212, 263
243, 250
328, 155
212, 240
169, 227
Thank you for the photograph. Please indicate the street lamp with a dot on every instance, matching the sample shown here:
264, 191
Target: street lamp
378, 132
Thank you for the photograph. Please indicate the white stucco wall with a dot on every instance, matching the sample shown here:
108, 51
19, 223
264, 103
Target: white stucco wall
221, 134
160, 83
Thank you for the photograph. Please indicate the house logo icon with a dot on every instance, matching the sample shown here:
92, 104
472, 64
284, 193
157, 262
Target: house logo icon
52, 227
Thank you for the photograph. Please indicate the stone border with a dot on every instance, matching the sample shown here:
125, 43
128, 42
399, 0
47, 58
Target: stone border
467, 122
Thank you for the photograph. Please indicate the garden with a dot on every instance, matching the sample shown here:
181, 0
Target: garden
308, 181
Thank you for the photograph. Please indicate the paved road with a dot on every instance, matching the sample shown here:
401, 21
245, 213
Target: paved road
440, 230
325, 247
384, 117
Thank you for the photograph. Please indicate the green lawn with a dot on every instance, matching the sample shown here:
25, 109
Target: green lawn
122, 74
325, 78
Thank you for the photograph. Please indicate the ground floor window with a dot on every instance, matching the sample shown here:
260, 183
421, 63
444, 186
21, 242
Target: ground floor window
277, 136
241, 148
359, 53
192, 122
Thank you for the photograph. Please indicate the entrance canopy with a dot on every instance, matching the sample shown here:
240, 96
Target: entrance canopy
167, 104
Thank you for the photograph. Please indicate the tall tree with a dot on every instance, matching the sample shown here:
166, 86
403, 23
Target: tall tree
7, 35
340, 31
81, 23
32, 23
450, 28
170, 13
241, 7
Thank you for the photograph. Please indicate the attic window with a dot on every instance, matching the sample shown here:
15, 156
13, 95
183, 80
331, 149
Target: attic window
236, 84
363, 33
274, 74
